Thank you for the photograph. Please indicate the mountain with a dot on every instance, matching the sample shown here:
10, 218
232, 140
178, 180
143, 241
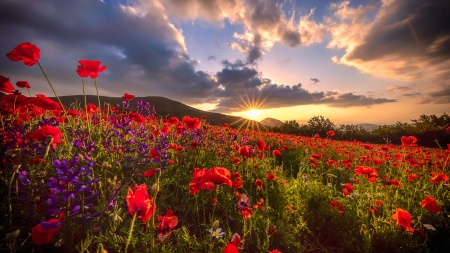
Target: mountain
165, 107
271, 122
369, 126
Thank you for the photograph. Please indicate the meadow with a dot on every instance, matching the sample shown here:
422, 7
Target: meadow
116, 178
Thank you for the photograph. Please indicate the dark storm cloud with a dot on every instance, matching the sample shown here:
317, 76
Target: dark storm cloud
412, 28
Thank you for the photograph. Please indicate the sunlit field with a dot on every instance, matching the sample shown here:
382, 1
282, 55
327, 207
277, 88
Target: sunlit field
117, 178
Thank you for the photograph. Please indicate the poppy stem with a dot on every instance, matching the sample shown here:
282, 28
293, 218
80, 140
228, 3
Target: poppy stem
130, 233
85, 109
99, 108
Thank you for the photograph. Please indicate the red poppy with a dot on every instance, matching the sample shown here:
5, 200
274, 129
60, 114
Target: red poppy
394, 182
44, 132
412, 177
140, 203
271, 177
128, 97
275, 251
429, 203
244, 151
149, 173
261, 144
409, 141
403, 218
46, 103
91, 108
43, 232
317, 156
166, 224
217, 175
23, 84
5, 85
237, 183
173, 120
258, 183
330, 133
196, 184
313, 162
276, 152
230, 248
89, 68
378, 203
26, 52
337, 205
73, 112
363, 170
191, 123
243, 205
437, 178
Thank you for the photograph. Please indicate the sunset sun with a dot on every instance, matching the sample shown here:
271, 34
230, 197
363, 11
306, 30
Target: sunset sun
253, 114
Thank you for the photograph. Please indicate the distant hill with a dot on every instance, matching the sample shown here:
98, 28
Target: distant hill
369, 126
166, 107
271, 122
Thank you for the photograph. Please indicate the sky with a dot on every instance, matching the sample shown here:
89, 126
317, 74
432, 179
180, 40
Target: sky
353, 62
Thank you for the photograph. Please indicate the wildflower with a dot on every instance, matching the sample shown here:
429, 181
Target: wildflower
271, 177
363, 170
378, 203
403, 219
436, 178
237, 183
429, 203
166, 224
5, 85
191, 123
128, 97
217, 175
261, 144
89, 68
45, 131
216, 233
23, 84
409, 141
258, 184
140, 203
259, 205
243, 205
337, 205
275, 251
394, 182
330, 133
26, 52
43, 232
314, 163
91, 108
230, 248
412, 177
276, 152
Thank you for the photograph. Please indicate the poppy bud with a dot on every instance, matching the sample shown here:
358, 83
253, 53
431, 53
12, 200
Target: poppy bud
49, 139
157, 173
155, 189
215, 225
17, 166
105, 165
13, 234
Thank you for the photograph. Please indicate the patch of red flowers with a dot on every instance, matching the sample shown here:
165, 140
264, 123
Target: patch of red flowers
44, 132
191, 123
409, 141
337, 205
166, 224
436, 178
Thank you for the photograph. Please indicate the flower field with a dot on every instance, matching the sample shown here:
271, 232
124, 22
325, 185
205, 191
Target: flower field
113, 178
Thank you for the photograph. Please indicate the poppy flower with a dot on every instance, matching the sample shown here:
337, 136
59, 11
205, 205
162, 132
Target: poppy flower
43, 232
412, 177
197, 184
237, 183
230, 248
23, 84
271, 177
89, 68
313, 162
26, 52
128, 97
275, 251
437, 178
44, 132
243, 205
337, 205
258, 184
403, 218
140, 203
261, 144
5, 85
191, 123
46, 103
276, 152
394, 182
244, 151
166, 224
429, 203
330, 133
217, 175
91, 108
378, 203
409, 141
363, 170
73, 112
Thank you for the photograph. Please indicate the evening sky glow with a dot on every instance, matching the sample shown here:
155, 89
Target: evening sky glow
351, 61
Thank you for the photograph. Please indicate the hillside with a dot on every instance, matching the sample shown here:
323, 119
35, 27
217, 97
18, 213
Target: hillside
166, 107
271, 122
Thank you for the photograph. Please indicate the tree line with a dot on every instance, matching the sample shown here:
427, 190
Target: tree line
430, 130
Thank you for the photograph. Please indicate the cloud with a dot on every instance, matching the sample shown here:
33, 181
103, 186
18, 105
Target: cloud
211, 57
394, 88
415, 94
440, 96
406, 40
264, 21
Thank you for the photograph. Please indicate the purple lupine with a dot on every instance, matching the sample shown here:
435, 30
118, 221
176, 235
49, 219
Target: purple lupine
72, 189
